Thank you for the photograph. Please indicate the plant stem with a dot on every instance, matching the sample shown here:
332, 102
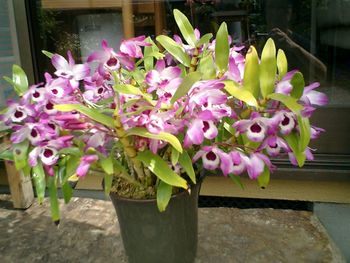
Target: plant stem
194, 61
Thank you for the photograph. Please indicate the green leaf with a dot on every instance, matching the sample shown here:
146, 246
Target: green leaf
47, 53
39, 181
237, 180
298, 84
66, 189
91, 113
185, 28
19, 79
67, 192
293, 141
127, 89
20, 151
305, 133
148, 50
186, 85
174, 49
164, 136
107, 164
242, 94
186, 163
71, 151
10, 81
251, 72
161, 169
164, 192
204, 39
7, 155
108, 180
268, 68
222, 48
71, 167
290, 102
54, 203
282, 64
174, 156
264, 178
229, 128
207, 67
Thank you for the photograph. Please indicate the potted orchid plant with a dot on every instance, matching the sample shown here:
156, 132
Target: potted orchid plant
149, 117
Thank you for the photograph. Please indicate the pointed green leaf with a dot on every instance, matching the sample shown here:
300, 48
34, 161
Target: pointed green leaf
174, 156
186, 163
204, 39
47, 53
237, 180
161, 169
305, 133
9, 80
71, 167
127, 89
148, 50
282, 64
54, 203
71, 151
164, 192
174, 49
264, 178
242, 94
7, 155
207, 67
290, 102
229, 128
66, 189
39, 181
293, 141
91, 113
298, 84
19, 79
222, 48
108, 180
268, 68
20, 151
67, 192
251, 72
107, 164
186, 85
185, 27
164, 136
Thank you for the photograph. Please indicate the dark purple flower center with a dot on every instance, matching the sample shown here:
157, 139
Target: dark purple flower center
34, 133
54, 91
64, 74
18, 114
48, 153
100, 90
285, 121
274, 146
49, 106
36, 94
52, 126
255, 128
205, 126
112, 62
211, 156
167, 95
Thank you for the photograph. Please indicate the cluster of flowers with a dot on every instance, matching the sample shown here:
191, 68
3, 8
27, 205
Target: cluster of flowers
147, 100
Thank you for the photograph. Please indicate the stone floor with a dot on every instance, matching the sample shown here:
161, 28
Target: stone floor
89, 232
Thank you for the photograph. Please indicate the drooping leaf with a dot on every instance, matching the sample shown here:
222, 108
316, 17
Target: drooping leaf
164, 192
174, 156
282, 64
54, 203
164, 136
242, 94
67, 192
293, 141
108, 180
161, 169
20, 151
186, 163
204, 39
268, 68
251, 72
91, 113
237, 180
66, 189
47, 53
174, 49
19, 79
298, 84
207, 67
39, 181
71, 167
127, 89
222, 48
107, 164
186, 85
305, 133
264, 178
290, 102
185, 27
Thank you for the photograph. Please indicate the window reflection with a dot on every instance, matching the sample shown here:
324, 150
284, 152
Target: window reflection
315, 34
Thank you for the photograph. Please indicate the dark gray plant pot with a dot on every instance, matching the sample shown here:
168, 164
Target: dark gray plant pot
150, 236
